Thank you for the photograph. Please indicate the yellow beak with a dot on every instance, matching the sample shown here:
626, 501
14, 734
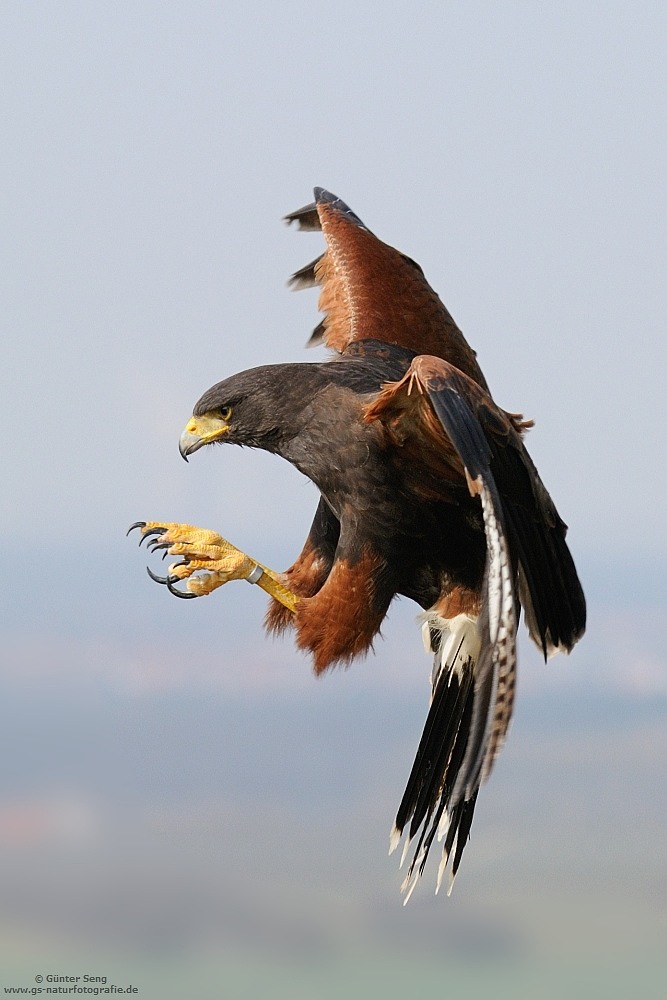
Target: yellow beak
200, 431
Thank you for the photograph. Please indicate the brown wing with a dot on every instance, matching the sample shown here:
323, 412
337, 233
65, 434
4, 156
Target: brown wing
372, 291
445, 423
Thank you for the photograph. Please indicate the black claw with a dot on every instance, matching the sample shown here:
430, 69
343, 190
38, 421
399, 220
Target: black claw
169, 581
153, 531
158, 579
154, 545
137, 524
185, 595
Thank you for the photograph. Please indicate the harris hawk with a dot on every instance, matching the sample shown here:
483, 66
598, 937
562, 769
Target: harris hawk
426, 491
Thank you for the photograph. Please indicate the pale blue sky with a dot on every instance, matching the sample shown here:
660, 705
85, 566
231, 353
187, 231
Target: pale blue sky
150, 150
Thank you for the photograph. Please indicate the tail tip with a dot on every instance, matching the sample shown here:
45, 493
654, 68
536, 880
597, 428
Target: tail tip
394, 838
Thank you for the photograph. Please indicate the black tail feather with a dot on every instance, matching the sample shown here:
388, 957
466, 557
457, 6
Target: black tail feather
441, 752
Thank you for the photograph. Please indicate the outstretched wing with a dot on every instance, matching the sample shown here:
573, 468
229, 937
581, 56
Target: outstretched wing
372, 291
437, 413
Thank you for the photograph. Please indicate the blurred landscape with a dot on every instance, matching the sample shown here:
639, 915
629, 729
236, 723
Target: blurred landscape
203, 807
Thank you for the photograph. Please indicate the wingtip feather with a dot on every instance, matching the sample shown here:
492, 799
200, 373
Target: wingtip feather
306, 218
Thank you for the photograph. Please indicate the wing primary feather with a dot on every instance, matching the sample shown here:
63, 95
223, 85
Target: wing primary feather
548, 584
317, 336
306, 218
305, 277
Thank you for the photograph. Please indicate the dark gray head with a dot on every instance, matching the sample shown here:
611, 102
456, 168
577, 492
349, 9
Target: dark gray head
259, 408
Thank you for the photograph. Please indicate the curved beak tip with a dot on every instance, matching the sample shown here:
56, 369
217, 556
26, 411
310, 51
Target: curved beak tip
189, 443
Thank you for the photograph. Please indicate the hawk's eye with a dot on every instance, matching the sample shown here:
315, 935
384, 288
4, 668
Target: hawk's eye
225, 413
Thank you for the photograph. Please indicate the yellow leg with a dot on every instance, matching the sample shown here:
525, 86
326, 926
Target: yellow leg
209, 554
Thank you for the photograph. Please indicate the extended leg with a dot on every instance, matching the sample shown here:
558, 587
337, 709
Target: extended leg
210, 555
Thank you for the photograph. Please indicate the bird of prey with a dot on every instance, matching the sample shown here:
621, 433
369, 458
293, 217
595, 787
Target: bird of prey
426, 491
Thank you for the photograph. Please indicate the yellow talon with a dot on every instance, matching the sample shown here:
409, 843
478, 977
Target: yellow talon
215, 559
